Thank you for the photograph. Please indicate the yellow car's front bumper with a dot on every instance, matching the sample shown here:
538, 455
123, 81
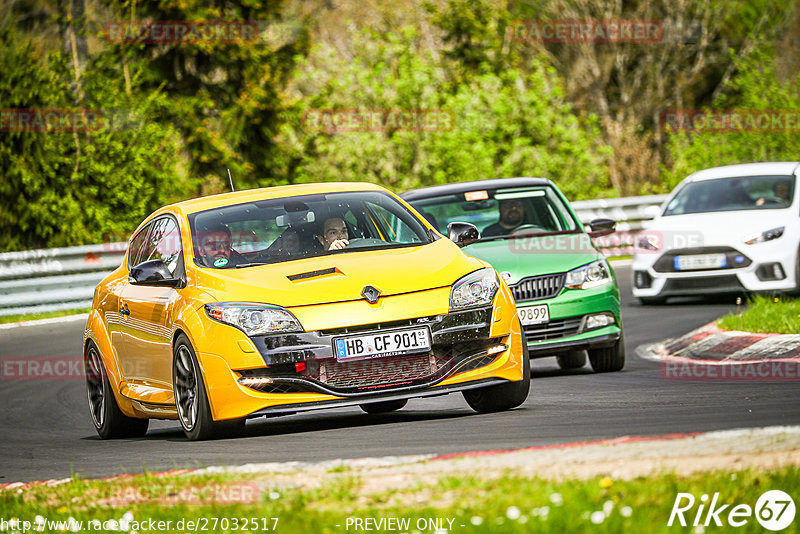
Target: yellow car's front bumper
469, 349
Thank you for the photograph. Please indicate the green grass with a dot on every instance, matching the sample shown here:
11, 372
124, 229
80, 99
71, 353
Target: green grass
510, 503
768, 315
47, 315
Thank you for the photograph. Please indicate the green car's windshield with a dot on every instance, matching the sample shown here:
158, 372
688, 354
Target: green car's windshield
500, 213
732, 194
277, 230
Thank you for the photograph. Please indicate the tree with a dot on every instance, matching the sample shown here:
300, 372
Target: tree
506, 124
225, 93
56, 194
756, 87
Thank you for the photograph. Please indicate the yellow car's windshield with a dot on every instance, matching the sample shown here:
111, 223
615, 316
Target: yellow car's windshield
284, 229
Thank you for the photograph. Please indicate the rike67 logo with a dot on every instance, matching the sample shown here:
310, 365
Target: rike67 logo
774, 511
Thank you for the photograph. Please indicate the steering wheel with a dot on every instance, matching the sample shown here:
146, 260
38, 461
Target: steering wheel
359, 242
772, 200
526, 228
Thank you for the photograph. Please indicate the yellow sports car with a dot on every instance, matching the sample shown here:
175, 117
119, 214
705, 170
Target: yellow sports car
288, 299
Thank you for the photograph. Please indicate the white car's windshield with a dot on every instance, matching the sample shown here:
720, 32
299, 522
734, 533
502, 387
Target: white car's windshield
277, 230
501, 212
731, 194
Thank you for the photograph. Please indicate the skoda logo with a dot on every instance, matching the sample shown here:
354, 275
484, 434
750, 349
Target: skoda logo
371, 294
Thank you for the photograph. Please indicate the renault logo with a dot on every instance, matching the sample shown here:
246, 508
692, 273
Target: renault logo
371, 294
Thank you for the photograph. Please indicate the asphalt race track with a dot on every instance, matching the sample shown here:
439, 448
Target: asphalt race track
47, 432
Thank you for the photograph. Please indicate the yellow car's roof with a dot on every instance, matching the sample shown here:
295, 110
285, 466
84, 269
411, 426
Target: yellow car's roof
226, 199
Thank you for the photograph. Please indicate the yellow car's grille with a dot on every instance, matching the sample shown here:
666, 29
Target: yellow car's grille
377, 372
361, 376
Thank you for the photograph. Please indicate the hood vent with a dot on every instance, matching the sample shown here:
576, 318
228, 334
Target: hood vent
312, 274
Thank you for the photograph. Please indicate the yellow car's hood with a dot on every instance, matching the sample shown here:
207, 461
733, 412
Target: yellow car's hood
392, 271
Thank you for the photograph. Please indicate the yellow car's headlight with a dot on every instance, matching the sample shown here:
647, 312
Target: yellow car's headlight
475, 289
253, 318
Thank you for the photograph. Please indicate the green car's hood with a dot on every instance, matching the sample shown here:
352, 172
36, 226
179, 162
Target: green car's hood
532, 255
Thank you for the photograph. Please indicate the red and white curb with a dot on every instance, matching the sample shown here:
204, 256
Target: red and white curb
710, 344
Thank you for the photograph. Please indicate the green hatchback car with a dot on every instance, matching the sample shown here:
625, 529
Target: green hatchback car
567, 295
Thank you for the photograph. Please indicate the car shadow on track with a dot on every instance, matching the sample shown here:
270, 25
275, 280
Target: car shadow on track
294, 424
552, 372
705, 300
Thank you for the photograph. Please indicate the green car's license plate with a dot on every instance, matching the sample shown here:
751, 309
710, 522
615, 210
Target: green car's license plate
534, 314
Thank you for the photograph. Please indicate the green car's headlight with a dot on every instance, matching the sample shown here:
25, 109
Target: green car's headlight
592, 275
475, 289
254, 319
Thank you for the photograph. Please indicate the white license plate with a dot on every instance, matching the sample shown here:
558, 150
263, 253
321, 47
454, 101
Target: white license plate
388, 343
534, 314
699, 261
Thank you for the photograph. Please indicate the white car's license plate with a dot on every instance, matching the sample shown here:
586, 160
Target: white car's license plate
700, 261
534, 314
387, 343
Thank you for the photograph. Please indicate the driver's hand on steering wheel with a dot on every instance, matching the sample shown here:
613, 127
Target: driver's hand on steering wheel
339, 244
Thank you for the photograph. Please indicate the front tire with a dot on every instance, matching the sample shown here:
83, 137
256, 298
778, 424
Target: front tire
384, 407
108, 419
191, 401
796, 291
574, 359
608, 359
502, 397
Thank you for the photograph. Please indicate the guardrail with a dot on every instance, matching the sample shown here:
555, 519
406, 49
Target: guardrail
45, 280
629, 212
38, 281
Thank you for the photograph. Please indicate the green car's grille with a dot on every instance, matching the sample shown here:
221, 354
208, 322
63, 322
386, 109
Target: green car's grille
538, 287
555, 329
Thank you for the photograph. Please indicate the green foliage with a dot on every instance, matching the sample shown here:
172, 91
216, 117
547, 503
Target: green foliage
225, 96
755, 87
765, 314
484, 501
511, 123
184, 112
473, 34
63, 188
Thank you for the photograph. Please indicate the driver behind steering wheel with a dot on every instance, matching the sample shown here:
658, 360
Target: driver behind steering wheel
512, 215
334, 234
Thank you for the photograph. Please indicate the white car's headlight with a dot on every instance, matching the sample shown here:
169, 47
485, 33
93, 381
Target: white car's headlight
768, 235
254, 319
592, 275
475, 289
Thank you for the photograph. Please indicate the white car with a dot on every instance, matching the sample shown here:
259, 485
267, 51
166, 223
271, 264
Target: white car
733, 229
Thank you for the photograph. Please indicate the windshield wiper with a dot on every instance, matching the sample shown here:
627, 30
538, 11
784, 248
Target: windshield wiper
252, 264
